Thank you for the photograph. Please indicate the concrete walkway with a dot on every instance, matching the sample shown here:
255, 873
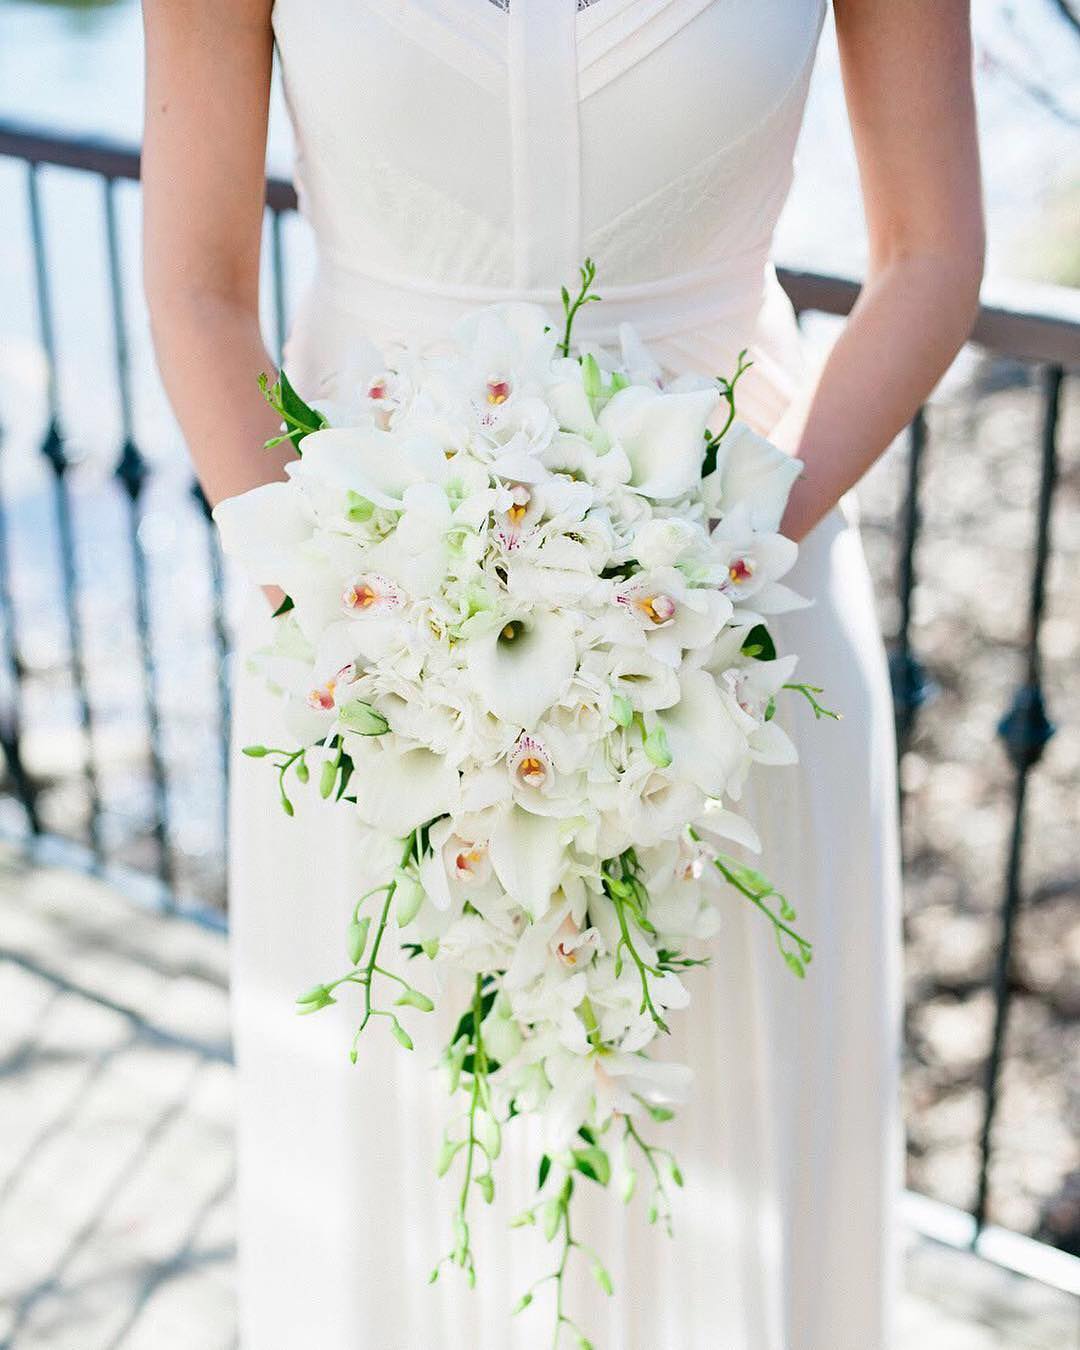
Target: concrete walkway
116, 1228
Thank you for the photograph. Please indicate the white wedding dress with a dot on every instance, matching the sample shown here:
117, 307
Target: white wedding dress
451, 153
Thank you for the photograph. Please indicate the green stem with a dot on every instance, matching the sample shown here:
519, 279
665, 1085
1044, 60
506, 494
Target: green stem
626, 941
373, 959
808, 691
588, 276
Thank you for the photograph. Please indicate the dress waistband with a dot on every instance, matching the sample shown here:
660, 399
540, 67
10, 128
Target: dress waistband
411, 310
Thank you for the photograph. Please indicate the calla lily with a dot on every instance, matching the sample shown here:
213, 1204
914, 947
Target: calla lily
375, 464
520, 668
264, 528
662, 435
751, 472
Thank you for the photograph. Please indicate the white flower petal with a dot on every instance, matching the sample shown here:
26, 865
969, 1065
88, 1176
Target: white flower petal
263, 528
398, 789
528, 857
663, 436
706, 746
523, 667
752, 472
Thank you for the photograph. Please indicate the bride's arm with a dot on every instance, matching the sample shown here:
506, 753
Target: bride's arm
907, 77
207, 92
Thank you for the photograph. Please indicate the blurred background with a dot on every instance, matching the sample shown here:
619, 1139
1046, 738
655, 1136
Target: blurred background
114, 616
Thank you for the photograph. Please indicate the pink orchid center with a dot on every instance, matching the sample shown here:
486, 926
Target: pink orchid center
520, 497
469, 861
370, 593
498, 390
742, 569
530, 764
658, 608
321, 698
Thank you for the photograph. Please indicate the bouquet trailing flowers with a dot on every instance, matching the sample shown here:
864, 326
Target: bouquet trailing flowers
526, 636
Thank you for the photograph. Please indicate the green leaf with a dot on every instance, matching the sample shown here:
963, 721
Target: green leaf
362, 718
294, 408
593, 1162
346, 774
551, 1217
660, 1113
542, 1175
759, 644
283, 608
356, 938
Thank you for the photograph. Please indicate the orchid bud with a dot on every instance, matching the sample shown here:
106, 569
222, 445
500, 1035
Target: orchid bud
487, 1132
413, 998
409, 896
656, 747
356, 938
622, 714
362, 718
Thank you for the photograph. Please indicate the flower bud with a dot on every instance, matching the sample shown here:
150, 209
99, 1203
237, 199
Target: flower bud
413, 998
487, 1132
409, 896
656, 747
362, 718
622, 714
356, 938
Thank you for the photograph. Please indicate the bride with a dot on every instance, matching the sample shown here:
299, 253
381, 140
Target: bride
455, 152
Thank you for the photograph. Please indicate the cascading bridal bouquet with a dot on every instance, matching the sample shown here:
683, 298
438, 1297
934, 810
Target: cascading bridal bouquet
526, 635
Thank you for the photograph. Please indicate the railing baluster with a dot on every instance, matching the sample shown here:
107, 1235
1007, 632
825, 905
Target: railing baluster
132, 471
1025, 729
911, 687
11, 718
52, 448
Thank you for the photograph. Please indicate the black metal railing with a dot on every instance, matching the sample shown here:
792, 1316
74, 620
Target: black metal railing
1043, 333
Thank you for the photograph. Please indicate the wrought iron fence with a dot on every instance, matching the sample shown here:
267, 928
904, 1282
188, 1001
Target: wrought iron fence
1044, 336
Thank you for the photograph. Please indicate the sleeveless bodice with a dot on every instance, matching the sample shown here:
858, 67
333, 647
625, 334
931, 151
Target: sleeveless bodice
457, 153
